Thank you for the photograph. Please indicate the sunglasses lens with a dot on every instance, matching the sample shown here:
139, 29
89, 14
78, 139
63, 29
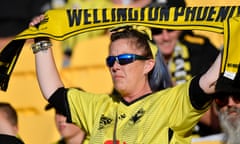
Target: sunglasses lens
236, 98
125, 59
170, 30
156, 31
110, 61
121, 59
221, 101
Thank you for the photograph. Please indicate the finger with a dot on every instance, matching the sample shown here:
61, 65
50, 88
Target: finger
36, 20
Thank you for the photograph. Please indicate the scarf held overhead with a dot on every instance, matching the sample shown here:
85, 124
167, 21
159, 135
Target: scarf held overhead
63, 23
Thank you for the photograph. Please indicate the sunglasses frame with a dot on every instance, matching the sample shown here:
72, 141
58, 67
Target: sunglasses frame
223, 100
124, 59
157, 31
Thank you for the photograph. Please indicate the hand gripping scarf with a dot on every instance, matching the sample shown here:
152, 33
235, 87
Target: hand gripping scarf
62, 24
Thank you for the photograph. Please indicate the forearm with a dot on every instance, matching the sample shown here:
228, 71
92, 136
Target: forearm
208, 81
47, 73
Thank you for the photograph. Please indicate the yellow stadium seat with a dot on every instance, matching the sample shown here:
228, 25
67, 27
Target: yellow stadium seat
87, 68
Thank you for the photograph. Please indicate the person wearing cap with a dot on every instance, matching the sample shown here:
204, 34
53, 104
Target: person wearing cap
228, 107
69, 132
148, 110
9, 125
187, 55
227, 104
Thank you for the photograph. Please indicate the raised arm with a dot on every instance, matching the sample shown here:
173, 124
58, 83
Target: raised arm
208, 80
47, 73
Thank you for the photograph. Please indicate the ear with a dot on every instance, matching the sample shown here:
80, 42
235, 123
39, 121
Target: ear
149, 64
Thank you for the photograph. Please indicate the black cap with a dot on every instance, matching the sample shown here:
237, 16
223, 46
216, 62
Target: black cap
226, 85
48, 107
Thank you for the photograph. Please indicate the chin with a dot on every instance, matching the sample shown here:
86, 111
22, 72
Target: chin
167, 52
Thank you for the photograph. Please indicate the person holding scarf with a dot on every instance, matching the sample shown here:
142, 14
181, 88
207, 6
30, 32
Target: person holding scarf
147, 110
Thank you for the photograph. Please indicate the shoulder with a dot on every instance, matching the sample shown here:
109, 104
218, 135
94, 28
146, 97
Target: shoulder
199, 40
199, 44
194, 39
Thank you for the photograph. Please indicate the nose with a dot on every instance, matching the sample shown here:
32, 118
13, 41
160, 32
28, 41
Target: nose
60, 118
165, 34
115, 66
231, 101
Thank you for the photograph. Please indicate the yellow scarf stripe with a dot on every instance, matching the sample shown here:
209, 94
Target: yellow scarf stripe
231, 51
61, 24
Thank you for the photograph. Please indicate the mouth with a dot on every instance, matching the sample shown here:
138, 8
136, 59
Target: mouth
117, 77
232, 113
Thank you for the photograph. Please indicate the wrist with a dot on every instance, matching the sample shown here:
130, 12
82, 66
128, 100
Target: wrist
41, 45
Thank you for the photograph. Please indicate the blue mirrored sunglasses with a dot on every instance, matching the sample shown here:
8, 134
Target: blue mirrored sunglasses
124, 59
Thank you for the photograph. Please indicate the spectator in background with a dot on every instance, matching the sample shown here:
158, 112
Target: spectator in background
70, 133
187, 55
228, 106
15, 16
8, 125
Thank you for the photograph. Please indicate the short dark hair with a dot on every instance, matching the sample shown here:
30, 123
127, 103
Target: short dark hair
139, 39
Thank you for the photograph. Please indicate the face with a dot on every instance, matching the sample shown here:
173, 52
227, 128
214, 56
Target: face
229, 107
129, 77
166, 40
66, 130
229, 115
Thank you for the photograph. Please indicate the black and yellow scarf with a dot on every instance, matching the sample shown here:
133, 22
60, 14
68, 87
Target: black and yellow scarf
179, 65
62, 24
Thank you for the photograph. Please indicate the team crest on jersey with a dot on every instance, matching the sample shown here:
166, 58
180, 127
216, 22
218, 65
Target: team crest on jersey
135, 118
104, 121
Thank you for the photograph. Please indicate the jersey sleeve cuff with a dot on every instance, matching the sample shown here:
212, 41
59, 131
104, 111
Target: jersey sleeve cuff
59, 101
199, 99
